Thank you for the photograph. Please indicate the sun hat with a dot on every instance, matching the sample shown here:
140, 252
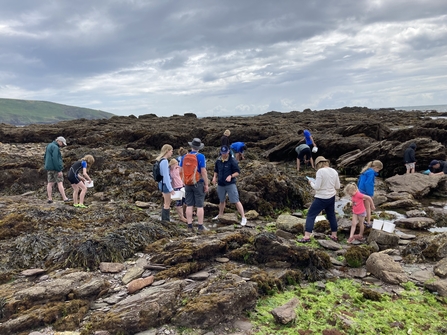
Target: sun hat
224, 150
433, 162
62, 139
320, 159
196, 144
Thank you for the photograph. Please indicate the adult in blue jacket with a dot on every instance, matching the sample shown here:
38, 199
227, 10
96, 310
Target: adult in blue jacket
226, 170
238, 149
54, 166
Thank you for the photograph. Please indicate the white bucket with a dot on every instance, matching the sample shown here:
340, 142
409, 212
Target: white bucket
89, 184
388, 227
320, 218
178, 194
314, 149
377, 224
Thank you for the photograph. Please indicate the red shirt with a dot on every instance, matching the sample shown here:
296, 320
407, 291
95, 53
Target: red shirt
358, 206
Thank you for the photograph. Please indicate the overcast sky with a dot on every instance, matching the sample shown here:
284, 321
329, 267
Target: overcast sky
224, 57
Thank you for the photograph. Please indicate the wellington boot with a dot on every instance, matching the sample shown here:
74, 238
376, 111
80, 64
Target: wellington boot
165, 216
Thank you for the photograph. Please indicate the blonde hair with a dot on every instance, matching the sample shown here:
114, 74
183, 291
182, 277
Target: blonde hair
164, 150
227, 132
182, 151
350, 189
89, 159
172, 162
321, 164
373, 164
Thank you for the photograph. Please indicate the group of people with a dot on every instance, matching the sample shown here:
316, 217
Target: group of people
436, 167
77, 175
189, 171
326, 185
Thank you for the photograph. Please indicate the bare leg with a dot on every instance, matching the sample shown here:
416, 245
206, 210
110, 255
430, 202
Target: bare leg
75, 193
200, 214
50, 190
240, 208
83, 188
221, 208
312, 163
368, 212
60, 186
166, 200
189, 210
180, 213
362, 226
353, 227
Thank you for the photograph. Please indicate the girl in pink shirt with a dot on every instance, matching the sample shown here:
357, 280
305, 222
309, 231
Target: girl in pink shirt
177, 184
358, 210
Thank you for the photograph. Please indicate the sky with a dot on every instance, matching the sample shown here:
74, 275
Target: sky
224, 57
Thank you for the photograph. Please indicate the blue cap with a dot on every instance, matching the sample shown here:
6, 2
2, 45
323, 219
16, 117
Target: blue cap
433, 162
224, 150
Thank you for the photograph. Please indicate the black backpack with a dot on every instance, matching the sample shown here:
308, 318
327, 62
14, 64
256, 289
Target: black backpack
156, 173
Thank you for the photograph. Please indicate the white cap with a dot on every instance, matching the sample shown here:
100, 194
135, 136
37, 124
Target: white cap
62, 139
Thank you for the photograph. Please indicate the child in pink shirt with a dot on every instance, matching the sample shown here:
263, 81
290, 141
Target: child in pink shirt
177, 184
358, 210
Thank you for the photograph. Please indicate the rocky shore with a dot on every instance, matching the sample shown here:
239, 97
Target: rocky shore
115, 268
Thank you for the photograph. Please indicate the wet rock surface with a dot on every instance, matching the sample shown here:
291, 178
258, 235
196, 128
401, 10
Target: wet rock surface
115, 267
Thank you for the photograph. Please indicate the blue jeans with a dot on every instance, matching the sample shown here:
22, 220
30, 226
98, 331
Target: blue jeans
317, 206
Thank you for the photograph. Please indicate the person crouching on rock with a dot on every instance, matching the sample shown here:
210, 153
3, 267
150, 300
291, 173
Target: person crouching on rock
77, 176
177, 184
358, 210
165, 184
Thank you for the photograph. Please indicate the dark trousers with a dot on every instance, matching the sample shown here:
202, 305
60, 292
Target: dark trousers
317, 206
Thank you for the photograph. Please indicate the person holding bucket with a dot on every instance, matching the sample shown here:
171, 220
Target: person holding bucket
78, 179
177, 184
358, 211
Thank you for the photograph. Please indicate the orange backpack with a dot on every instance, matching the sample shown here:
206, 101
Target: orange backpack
190, 165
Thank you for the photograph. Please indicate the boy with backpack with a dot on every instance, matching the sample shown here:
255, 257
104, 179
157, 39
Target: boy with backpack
195, 178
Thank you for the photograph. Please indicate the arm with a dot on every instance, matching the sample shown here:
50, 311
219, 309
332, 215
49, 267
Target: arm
313, 142
214, 178
205, 178
166, 176
367, 198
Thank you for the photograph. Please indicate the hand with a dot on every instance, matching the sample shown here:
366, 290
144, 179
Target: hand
228, 179
172, 192
205, 188
213, 181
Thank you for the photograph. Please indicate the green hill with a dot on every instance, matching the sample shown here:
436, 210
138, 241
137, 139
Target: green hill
24, 112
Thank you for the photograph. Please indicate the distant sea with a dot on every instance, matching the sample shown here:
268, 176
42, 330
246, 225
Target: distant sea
438, 108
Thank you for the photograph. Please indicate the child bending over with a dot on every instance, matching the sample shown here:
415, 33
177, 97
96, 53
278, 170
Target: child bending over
358, 210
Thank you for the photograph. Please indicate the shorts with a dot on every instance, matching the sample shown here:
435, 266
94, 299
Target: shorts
305, 152
195, 195
363, 214
410, 165
232, 192
53, 177
163, 188
179, 203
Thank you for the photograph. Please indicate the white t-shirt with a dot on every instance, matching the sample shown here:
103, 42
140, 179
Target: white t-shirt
326, 183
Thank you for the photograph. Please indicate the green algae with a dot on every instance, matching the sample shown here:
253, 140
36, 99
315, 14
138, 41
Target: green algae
348, 307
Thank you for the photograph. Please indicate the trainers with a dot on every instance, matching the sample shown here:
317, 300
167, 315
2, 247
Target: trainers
75, 205
200, 228
190, 228
81, 206
243, 221
216, 217
67, 200
50, 201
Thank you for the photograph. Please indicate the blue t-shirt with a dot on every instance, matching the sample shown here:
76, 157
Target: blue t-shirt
237, 146
307, 137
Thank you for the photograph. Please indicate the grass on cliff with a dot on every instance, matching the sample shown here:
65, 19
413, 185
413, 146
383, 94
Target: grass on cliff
345, 307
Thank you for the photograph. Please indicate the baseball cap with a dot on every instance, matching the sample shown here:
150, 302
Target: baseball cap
62, 139
224, 150
434, 162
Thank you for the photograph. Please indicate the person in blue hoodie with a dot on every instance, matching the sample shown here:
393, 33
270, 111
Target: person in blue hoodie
410, 158
366, 184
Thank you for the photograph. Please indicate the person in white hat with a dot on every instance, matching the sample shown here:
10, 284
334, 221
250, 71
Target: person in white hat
325, 185
54, 165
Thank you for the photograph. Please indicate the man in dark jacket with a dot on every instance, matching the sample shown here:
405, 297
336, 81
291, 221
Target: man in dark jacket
54, 166
226, 170
437, 167
410, 158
